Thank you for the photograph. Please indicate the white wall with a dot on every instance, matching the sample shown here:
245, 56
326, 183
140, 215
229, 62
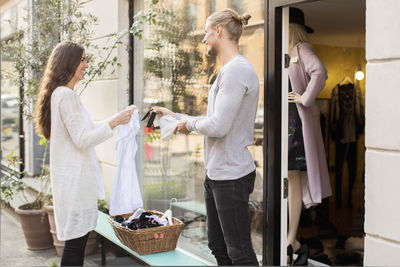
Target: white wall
382, 200
12, 14
109, 94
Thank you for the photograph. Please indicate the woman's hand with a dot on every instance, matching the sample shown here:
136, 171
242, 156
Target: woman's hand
294, 98
122, 117
163, 111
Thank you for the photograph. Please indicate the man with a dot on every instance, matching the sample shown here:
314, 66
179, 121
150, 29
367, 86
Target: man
228, 130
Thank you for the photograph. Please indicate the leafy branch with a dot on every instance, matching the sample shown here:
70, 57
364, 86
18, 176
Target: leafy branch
54, 21
139, 19
11, 185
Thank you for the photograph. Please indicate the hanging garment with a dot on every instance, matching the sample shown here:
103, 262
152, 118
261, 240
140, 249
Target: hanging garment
126, 196
100, 185
345, 152
347, 118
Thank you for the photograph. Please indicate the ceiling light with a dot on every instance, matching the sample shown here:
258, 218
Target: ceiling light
359, 74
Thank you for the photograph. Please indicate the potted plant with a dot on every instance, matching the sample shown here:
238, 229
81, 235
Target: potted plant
32, 214
91, 245
29, 49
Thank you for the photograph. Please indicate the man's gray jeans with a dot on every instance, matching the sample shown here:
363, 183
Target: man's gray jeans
228, 220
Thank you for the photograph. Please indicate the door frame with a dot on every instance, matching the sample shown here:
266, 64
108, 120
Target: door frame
273, 132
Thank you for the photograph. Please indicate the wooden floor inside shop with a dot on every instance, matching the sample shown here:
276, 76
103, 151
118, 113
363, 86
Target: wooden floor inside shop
336, 236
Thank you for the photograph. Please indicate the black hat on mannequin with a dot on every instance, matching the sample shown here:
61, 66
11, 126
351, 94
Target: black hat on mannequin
296, 15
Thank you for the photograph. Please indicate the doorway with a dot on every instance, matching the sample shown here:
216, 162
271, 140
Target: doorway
334, 229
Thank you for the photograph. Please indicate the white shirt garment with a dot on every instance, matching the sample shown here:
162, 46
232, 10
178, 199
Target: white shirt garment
126, 196
167, 127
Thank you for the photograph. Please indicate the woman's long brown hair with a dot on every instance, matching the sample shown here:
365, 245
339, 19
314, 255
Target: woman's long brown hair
60, 69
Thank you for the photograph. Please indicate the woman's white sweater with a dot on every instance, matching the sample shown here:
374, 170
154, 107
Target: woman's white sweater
72, 172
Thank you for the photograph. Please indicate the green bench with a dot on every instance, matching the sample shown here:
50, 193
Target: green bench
177, 257
193, 206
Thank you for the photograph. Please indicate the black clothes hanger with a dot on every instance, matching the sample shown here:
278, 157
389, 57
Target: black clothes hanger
152, 114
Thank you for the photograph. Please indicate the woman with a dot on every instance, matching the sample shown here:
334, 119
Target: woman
74, 170
308, 182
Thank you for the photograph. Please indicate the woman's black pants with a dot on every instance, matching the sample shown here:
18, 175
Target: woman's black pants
74, 251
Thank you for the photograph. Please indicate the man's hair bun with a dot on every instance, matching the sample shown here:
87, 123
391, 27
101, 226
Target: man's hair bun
245, 18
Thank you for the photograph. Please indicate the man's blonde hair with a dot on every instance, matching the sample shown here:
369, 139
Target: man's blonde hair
231, 20
297, 34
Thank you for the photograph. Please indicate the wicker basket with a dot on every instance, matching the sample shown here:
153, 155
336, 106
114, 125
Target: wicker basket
149, 240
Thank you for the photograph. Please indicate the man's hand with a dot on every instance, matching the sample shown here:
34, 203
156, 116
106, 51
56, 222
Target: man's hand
181, 127
294, 98
163, 111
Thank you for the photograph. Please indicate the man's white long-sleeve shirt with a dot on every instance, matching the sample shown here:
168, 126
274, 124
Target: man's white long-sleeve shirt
229, 125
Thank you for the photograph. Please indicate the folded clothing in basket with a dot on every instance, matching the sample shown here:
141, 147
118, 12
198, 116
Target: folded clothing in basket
146, 220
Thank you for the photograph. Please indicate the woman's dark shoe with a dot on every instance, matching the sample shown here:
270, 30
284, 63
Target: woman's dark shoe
302, 256
290, 254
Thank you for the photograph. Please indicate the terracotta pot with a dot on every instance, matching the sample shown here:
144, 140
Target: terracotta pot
53, 230
36, 228
91, 244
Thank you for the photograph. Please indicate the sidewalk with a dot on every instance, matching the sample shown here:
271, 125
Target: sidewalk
13, 251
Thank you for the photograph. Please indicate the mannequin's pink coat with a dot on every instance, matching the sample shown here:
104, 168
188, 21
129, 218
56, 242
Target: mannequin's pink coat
308, 84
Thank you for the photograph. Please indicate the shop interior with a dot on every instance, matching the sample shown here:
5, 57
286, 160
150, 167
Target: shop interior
334, 230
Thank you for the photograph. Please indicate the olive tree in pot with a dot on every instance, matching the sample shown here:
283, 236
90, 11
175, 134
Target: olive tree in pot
47, 23
29, 48
32, 214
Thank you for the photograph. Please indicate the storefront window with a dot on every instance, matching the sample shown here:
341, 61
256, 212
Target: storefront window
172, 70
212, 6
9, 110
239, 6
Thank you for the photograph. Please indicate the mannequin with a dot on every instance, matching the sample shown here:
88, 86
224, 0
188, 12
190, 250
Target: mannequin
307, 77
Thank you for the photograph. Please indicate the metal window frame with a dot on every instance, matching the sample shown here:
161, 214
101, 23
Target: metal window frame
131, 54
272, 128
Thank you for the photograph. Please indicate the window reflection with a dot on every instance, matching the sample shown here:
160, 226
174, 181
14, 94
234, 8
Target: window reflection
177, 74
239, 6
212, 6
9, 110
